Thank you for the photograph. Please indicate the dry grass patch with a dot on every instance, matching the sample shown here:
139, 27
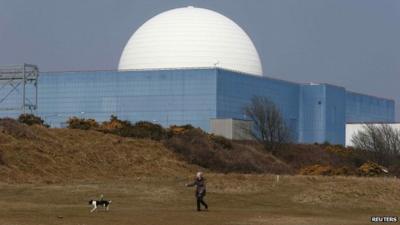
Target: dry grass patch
233, 199
37, 154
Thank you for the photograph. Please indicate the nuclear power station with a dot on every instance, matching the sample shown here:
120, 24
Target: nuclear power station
188, 66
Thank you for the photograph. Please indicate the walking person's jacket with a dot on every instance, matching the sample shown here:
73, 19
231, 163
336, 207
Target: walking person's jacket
200, 187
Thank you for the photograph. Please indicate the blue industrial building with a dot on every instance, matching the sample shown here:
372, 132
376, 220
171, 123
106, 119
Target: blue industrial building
314, 112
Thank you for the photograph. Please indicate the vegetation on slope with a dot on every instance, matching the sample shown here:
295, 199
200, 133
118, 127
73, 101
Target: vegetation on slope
222, 155
38, 154
116, 148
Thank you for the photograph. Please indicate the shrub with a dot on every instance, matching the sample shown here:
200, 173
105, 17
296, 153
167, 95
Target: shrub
113, 124
371, 169
123, 128
221, 141
82, 124
141, 129
178, 130
317, 170
302, 155
338, 150
326, 170
350, 156
222, 155
30, 119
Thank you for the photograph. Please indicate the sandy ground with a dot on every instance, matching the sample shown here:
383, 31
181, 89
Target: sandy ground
233, 199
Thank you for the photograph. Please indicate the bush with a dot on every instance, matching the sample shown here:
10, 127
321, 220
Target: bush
316, 170
221, 141
30, 119
82, 124
351, 156
222, 155
119, 127
141, 129
338, 150
178, 130
303, 155
326, 170
113, 124
371, 169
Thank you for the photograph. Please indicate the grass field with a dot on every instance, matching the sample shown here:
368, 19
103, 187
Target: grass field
47, 177
233, 199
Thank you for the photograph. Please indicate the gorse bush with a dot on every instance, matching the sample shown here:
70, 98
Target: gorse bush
327, 170
143, 129
119, 127
30, 119
113, 124
82, 124
178, 130
371, 169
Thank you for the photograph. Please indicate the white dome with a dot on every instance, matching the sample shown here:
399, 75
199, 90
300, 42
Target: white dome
190, 38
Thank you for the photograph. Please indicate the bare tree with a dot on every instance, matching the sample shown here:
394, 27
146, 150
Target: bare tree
268, 125
383, 141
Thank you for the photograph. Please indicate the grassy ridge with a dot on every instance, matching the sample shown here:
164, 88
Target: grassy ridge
39, 154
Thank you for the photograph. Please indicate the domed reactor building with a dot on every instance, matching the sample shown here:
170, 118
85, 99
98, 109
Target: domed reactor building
196, 66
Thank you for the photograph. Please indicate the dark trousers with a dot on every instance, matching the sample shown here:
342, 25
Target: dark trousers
201, 201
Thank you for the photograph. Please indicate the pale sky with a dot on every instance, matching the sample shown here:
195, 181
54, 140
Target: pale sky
350, 43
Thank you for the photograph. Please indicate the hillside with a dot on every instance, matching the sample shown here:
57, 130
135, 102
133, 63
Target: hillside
39, 154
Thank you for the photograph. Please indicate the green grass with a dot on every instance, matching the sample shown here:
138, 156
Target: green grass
233, 199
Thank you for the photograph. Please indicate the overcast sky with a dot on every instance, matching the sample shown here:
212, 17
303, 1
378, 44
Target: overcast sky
351, 43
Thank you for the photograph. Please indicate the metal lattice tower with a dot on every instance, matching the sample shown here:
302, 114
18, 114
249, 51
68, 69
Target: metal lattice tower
18, 88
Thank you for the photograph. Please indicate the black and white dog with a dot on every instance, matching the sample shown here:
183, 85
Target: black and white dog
101, 202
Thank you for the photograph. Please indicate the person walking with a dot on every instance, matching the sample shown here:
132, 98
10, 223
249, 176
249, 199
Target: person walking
199, 182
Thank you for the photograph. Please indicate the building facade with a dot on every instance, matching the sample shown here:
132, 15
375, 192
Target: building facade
313, 112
